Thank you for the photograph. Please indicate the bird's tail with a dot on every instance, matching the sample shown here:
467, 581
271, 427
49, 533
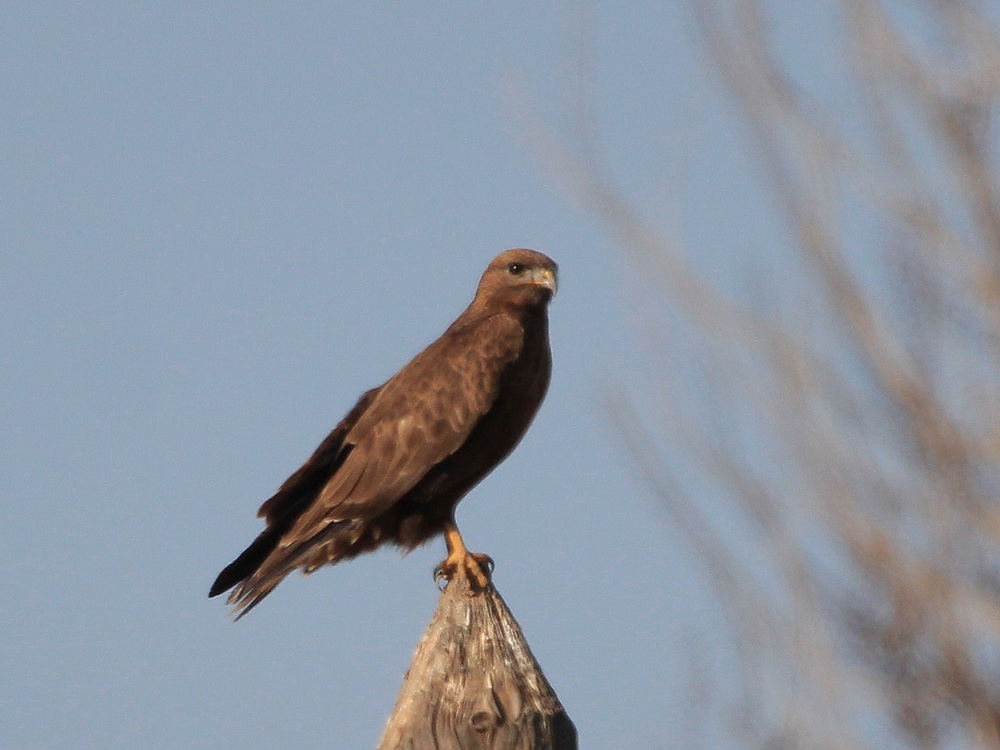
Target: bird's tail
247, 563
264, 564
242, 572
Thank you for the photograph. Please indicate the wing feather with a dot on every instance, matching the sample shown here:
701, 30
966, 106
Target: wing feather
315, 472
417, 419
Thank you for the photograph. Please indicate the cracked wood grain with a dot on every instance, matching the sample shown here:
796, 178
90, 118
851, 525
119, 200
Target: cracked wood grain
474, 684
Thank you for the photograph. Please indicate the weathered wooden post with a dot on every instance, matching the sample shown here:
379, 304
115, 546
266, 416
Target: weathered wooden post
473, 683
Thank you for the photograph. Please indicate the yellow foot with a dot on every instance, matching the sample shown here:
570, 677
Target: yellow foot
477, 567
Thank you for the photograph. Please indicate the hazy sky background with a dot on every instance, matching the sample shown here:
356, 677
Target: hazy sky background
220, 224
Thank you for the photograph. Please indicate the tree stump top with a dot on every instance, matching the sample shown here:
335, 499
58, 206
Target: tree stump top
474, 684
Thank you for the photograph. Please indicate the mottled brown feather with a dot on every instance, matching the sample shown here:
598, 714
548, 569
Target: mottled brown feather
396, 466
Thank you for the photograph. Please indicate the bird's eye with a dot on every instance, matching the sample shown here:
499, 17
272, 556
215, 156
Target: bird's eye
516, 269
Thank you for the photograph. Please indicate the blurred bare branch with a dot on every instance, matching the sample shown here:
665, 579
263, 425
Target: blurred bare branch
851, 433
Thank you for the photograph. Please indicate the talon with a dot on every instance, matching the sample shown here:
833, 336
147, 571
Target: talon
441, 577
477, 567
485, 562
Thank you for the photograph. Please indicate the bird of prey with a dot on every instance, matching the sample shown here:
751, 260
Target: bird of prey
396, 466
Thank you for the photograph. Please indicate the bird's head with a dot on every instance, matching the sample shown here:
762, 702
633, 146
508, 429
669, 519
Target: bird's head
522, 278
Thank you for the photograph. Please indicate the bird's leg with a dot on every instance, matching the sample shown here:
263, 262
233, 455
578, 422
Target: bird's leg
476, 565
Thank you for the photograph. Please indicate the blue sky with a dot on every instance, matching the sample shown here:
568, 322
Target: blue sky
221, 223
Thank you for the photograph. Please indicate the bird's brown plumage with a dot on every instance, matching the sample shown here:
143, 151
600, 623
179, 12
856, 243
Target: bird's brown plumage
396, 466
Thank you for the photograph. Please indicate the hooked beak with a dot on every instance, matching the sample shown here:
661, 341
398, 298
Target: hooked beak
545, 277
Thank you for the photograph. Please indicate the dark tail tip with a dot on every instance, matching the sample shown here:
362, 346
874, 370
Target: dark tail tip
222, 584
247, 563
